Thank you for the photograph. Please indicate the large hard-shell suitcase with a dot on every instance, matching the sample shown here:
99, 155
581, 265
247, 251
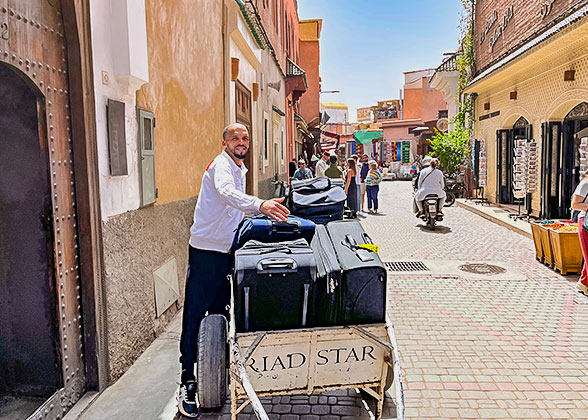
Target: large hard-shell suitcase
326, 297
363, 283
272, 285
265, 229
319, 199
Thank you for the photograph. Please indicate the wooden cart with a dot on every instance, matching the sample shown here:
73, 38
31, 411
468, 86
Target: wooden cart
305, 361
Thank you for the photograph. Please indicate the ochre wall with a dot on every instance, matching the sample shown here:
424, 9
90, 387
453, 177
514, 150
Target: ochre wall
528, 18
185, 92
309, 61
413, 104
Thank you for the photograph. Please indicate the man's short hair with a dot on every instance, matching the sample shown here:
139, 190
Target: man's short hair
332, 159
231, 127
326, 152
302, 161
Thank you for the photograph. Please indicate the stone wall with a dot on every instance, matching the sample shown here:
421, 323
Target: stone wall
136, 243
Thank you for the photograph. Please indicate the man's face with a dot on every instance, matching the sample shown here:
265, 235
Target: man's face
326, 157
237, 142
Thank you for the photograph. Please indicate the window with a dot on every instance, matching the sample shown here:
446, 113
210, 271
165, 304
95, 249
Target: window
148, 190
265, 139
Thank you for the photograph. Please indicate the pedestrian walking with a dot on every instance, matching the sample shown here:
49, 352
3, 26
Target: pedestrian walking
351, 186
322, 164
221, 205
372, 181
357, 180
580, 202
334, 171
365, 168
302, 172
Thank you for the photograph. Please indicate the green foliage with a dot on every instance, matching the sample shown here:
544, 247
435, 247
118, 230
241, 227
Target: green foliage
451, 148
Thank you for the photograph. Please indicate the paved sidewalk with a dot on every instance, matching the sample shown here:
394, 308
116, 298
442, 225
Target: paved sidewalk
480, 347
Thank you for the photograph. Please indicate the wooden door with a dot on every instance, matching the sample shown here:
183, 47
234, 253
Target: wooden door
33, 46
243, 104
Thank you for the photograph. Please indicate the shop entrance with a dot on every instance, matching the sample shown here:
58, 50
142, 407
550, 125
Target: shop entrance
505, 139
561, 162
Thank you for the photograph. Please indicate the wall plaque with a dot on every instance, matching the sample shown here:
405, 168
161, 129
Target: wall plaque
117, 141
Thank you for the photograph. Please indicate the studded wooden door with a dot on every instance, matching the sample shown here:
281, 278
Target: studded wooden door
33, 44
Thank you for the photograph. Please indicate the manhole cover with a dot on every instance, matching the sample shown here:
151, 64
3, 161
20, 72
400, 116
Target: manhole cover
405, 266
482, 269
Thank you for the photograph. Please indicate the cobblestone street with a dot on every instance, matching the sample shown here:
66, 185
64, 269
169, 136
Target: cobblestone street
478, 348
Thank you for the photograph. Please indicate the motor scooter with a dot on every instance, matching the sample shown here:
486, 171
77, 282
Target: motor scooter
431, 213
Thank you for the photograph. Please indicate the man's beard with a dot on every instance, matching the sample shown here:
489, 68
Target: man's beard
240, 155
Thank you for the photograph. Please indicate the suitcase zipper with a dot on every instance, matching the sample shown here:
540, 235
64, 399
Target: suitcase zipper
246, 290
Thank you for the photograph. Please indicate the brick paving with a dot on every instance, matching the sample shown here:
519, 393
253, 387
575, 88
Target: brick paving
481, 348
471, 347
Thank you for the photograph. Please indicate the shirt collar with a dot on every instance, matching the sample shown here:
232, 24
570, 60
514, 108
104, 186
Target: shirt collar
234, 166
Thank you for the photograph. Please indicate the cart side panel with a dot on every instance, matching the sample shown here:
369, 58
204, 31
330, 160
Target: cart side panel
307, 359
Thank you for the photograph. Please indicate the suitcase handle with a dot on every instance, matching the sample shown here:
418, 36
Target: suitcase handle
367, 239
287, 226
277, 265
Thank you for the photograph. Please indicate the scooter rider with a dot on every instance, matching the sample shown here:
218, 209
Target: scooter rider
430, 181
221, 205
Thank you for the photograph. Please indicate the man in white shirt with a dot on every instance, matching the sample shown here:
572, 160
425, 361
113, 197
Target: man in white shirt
221, 205
323, 164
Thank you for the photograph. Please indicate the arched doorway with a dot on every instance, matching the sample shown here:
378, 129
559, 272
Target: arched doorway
28, 325
42, 368
505, 140
561, 161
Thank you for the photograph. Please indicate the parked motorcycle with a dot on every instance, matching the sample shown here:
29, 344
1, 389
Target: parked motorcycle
454, 188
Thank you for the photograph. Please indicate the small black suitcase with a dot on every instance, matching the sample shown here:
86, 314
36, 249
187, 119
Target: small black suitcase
318, 199
363, 282
326, 297
272, 285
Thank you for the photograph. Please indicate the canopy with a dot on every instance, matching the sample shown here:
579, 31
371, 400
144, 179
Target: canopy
366, 136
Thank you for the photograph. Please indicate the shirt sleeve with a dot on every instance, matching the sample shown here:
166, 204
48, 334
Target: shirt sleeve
224, 184
582, 189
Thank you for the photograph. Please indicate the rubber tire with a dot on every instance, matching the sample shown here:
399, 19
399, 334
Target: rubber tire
449, 199
431, 222
212, 365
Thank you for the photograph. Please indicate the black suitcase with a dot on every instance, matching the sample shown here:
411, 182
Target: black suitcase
319, 199
265, 229
363, 282
272, 285
326, 297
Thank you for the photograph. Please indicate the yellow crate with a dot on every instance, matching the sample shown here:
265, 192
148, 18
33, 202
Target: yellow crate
546, 246
567, 254
536, 229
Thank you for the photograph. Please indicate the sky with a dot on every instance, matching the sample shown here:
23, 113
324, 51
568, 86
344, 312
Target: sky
366, 45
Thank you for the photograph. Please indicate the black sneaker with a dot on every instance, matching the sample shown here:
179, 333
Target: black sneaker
187, 399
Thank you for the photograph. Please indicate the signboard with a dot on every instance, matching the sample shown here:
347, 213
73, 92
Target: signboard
364, 115
305, 359
483, 163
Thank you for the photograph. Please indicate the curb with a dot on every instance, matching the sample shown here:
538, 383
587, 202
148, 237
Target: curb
494, 219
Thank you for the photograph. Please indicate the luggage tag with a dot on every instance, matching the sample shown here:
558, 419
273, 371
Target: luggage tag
370, 247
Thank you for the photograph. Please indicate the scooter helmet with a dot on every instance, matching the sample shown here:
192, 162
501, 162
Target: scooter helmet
426, 161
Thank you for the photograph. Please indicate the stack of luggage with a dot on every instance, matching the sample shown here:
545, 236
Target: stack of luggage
301, 274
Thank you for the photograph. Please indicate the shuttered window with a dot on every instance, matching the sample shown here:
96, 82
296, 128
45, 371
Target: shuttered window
147, 157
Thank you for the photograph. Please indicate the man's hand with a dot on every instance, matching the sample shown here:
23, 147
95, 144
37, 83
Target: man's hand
273, 208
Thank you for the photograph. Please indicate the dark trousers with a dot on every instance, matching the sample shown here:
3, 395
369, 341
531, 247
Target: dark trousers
207, 290
372, 194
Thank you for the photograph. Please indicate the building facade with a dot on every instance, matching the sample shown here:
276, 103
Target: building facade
421, 109
531, 89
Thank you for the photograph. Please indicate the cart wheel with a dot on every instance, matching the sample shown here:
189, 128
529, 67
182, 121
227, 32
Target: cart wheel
211, 368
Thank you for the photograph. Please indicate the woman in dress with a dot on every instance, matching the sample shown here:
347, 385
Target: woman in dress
351, 187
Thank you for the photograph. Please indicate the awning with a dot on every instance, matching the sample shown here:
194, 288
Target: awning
366, 136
